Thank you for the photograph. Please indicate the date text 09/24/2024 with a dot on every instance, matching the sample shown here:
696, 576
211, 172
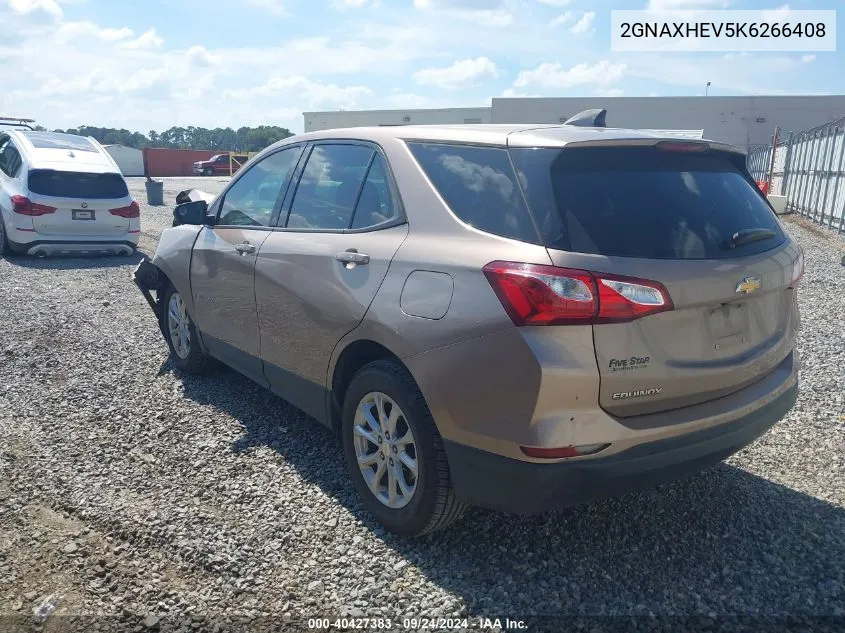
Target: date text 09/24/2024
416, 624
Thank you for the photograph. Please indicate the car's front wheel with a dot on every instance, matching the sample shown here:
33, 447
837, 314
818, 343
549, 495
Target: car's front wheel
181, 334
394, 453
208, 171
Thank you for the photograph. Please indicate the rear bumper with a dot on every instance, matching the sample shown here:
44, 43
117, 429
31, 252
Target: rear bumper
49, 248
493, 481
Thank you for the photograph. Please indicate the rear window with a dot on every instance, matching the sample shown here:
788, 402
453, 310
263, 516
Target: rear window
71, 184
643, 202
47, 140
479, 186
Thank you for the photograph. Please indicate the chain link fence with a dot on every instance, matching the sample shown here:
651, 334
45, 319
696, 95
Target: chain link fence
807, 168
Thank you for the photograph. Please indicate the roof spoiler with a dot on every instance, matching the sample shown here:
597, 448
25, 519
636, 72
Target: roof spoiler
589, 118
13, 121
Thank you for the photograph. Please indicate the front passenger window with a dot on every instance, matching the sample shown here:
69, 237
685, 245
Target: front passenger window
252, 198
329, 187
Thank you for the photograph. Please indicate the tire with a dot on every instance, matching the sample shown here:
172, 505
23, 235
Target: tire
207, 172
5, 247
432, 505
195, 360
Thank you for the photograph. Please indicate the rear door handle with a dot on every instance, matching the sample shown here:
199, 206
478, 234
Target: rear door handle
352, 257
246, 247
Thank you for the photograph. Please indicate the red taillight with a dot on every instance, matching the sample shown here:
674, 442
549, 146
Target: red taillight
534, 294
563, 451
132, 211
24, 206
682, 146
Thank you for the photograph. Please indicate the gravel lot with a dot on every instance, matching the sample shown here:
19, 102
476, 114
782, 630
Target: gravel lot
150, 498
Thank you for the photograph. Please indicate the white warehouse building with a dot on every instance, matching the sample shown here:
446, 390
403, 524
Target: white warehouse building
741, 121
128, 159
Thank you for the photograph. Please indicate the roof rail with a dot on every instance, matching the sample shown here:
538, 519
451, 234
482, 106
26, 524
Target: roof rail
16, 121
589, 118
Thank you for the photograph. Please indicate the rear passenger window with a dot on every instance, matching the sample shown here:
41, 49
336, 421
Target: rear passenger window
329, 187
10, 160
375, 204
479, 185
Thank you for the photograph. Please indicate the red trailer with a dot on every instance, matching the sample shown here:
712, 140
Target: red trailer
173, 162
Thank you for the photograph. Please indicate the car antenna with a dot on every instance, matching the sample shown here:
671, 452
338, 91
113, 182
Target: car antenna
589, 118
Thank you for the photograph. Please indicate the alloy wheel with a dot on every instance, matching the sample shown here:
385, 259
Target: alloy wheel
386, 450
178, 325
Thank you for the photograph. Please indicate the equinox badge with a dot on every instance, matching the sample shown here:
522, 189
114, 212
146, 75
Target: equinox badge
637, 393
748, 285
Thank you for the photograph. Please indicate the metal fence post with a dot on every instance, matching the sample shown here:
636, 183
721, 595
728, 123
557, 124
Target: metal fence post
784, 181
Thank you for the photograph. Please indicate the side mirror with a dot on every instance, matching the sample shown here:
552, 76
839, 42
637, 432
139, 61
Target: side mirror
191, 213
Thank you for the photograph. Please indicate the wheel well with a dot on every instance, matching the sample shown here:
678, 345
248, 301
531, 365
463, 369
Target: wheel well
351, 359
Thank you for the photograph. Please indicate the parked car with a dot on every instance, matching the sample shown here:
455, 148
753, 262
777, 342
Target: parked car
218, 165
62, 193
515, 317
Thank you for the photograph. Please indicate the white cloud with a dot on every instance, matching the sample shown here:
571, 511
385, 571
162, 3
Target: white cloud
609, 92
556, 3
808, 58
510, 93
461, 74
312, 93
25, 7
148, 40
350, 4
199, 56
276, 7
89, 29
584, 26
493, 13
553, 75
780, 14
562, 20
669, 5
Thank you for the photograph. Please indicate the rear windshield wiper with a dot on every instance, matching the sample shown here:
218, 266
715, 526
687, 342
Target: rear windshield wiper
747, 236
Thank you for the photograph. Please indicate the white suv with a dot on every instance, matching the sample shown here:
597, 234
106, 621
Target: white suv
60, 194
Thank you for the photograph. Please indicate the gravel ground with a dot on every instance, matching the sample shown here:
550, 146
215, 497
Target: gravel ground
149, 499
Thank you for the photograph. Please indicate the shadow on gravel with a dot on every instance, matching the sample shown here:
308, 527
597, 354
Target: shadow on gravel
722, 541
75, 262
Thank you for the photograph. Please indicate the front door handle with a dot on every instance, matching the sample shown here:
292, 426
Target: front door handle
352, 257
244, 248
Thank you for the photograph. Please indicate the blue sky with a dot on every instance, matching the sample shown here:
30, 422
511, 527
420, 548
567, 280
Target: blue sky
152, 64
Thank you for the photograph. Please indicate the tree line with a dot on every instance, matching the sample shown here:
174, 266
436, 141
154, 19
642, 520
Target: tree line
244, 139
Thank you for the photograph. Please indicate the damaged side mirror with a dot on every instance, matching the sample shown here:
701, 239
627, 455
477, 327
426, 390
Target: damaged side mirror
191, 213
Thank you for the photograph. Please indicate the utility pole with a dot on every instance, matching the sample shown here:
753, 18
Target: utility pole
707, 89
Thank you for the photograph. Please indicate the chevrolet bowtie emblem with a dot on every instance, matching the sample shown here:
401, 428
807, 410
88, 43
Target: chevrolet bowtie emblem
748, 285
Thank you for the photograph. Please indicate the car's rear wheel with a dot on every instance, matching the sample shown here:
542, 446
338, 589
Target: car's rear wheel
181, 334
5, 247
394, 453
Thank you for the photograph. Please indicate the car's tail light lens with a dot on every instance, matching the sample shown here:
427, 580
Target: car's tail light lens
132, 211
797, 269
534, 294
24, 206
